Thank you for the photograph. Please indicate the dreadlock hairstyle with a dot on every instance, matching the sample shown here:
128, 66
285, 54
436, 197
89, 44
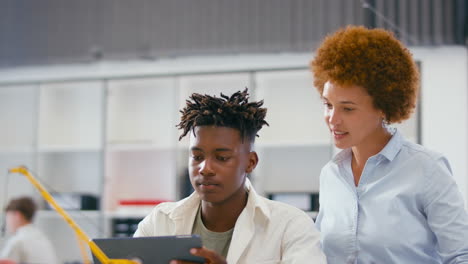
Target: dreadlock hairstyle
233, 112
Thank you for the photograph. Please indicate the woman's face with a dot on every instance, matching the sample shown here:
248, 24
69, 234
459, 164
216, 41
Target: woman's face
351, 116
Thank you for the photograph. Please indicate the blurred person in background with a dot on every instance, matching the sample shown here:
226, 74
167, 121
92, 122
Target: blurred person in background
27, 244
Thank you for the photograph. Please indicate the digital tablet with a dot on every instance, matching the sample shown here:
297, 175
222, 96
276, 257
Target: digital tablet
150, 250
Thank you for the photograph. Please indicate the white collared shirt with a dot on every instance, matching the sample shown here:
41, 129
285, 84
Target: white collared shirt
29, 245
266, 231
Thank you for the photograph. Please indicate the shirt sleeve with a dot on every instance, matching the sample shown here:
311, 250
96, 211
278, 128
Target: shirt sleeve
144, 227
446, 214
302, 242
12, 250
322, 193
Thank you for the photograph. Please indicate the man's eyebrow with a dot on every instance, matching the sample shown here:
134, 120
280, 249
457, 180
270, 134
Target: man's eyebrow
195, 149
218, 149
223, 149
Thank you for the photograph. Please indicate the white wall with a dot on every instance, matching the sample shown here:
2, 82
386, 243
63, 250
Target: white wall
444, 101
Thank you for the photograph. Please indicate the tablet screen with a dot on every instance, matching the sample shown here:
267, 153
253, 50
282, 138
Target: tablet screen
150, 250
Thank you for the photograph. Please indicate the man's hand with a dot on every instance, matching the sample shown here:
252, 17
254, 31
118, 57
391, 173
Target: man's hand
210, 256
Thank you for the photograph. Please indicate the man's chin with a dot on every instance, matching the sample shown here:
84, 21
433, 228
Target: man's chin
210, 198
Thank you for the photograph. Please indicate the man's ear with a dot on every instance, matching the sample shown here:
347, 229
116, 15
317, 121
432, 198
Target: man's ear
253, 161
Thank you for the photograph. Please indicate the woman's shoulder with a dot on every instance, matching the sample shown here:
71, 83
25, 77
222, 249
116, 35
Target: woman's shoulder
417, 151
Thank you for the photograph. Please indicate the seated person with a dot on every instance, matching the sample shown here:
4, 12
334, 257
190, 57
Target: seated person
236, 225
27, 243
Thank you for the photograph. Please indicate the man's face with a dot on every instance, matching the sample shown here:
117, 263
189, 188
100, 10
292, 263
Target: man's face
219, 162
13, 221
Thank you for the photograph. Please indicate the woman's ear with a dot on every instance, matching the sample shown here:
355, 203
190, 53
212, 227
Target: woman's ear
252, 162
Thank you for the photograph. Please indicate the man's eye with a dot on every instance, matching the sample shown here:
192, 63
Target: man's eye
197, 158
221, 158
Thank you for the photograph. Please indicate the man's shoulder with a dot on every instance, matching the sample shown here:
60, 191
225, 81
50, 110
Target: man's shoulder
167, 208
282, 211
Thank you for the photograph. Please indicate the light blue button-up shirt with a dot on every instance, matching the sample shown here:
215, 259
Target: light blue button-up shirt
406, 208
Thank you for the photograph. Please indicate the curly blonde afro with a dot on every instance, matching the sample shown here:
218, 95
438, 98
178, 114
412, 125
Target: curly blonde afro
373, 59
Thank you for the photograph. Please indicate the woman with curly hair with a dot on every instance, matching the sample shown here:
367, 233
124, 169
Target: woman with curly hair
235, 223
383, 199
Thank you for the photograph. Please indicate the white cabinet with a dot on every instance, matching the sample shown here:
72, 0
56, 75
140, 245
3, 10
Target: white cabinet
70, 172
295, 111
70, 116
70, 132
141, 141
297, 144
141, 113
18, 110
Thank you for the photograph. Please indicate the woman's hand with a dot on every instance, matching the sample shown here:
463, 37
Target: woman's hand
210, 256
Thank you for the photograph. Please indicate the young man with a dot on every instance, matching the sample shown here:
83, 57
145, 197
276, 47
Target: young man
28, 244
236, 225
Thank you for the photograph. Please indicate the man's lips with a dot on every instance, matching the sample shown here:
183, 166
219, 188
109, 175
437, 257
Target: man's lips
207, 185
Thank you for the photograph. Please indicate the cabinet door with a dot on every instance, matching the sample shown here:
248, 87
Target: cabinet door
295, 111
70, 137
296, 145
70, 116
141, 132
139, 175
141, 112
78, 172
18, 109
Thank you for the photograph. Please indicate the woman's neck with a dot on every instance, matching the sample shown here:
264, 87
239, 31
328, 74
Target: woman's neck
361, 153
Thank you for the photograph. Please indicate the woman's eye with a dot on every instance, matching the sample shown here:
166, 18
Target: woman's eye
327, 105
347, 109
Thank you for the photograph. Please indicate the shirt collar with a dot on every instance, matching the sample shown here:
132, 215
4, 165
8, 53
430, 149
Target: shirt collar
24, 228
192, 202
390, 150
393, 146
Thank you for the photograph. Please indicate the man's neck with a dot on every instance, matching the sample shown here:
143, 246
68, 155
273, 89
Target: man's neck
20, 226
223, 217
